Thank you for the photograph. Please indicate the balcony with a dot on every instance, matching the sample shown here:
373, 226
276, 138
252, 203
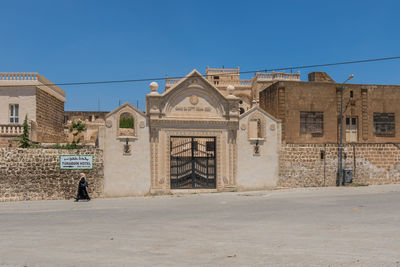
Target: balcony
11, 129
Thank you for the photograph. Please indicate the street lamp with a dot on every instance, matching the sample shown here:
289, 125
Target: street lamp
340, 167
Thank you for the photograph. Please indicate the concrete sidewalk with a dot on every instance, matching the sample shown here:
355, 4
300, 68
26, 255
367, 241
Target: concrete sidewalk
352, 226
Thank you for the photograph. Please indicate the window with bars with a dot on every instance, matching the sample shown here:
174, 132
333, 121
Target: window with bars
14, 113
384, 124
312, 122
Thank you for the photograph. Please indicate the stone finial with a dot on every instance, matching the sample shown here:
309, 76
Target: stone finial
230, 89
153, 86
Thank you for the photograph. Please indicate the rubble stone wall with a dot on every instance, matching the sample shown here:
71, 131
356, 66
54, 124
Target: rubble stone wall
34, 174
301, 165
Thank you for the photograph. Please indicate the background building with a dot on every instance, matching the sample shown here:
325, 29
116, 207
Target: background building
310, 110
93, 120
31, 95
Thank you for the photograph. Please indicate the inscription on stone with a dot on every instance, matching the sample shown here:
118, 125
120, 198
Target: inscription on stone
193, 109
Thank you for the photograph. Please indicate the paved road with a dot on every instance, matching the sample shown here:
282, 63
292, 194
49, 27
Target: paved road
357, 226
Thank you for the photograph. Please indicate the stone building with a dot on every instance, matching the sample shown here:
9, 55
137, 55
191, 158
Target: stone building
191, 137
310, 110
93, 120
211, 133
218, 132
31, 95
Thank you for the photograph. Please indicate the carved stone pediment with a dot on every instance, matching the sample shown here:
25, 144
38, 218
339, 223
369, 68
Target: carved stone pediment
192, 97
194, 103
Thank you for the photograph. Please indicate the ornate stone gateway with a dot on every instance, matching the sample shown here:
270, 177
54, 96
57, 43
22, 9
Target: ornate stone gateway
193, 162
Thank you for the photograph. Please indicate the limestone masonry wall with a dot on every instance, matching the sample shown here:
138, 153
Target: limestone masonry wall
301, 165
34, 174
49, 118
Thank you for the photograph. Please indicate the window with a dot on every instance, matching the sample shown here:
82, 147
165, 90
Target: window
384, 124
14, 113
312, 122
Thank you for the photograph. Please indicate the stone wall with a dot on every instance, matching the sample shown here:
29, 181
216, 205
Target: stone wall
49, 118
34, 174
4, 141
301, 165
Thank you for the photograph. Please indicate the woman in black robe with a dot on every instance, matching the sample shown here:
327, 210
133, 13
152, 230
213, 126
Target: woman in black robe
82, 193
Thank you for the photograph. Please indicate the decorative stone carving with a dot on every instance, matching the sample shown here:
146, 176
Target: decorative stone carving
142, 124
272, 127
194, 100
108, 123
243, 126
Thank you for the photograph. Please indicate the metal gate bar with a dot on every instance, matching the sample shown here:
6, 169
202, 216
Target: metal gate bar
192, 162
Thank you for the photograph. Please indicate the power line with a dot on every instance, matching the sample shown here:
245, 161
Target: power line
241, 72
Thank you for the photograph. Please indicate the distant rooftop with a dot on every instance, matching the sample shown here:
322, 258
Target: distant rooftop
31, 78
224, 77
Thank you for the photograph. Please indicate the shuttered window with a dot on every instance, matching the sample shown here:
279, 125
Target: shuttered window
384, 124
312, 122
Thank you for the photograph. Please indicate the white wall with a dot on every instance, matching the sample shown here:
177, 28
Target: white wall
24, 96
125, 175
258, 172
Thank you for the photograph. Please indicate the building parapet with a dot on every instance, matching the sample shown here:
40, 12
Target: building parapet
271, 76
28, 78
224, 77
210, 71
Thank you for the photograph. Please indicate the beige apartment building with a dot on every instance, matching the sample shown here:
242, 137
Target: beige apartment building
31, 95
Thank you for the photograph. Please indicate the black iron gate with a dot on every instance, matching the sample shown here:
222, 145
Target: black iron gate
193, 162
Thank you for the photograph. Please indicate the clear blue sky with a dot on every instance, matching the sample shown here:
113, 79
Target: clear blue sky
73, 41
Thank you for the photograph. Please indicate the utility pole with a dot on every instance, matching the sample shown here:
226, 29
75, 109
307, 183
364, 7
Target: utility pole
340, 165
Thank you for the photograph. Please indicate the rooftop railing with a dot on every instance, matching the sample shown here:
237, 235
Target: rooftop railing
171, 81
237, 83
278, 76
225, 71
29, 77
17, 76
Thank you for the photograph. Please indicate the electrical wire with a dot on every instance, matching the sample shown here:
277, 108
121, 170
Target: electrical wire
241, 72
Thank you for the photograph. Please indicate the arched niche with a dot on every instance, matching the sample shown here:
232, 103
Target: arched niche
256, 127
126, 124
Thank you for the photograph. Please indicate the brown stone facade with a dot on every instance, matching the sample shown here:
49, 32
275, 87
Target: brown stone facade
305, 165
285, 100
34, 174
49, 118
